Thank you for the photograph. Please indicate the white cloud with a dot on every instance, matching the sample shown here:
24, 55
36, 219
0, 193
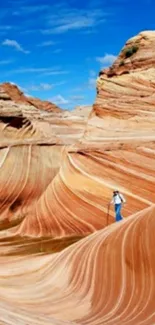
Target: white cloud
45, 86
54, 73
34, 70
44, 71
59, 100
107, 59
44, 44
82, 22
73, 19
42, 86
15, 45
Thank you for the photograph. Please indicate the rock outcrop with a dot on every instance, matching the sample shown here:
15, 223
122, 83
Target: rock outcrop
58, 171
124, 108
32, 144
29, 120
16, 95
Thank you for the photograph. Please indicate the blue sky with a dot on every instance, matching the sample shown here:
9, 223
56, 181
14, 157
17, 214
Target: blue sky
54, 49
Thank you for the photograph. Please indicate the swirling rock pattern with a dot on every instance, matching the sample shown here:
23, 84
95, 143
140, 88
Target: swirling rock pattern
58, 171
107, 278
22, 123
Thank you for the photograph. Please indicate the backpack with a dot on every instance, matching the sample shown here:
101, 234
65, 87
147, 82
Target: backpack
120, 198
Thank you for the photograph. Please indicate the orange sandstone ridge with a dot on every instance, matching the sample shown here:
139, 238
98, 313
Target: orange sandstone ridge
26, 120
58, 171
13, 93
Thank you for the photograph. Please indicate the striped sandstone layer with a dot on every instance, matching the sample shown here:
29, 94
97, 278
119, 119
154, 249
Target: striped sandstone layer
107, 278
124, 107
16, 95
22, 123
53, 194
71, 186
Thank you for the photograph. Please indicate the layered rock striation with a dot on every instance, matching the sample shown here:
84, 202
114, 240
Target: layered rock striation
106, 278
58, 171
27, 121
33, 147
15, 94
124, 107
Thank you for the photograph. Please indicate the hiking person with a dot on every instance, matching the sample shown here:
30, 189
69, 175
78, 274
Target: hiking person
117, 200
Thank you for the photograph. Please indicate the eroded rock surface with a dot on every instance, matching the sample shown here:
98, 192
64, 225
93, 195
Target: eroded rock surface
16, 95
58, 171
106, 278
25, 121
124, 108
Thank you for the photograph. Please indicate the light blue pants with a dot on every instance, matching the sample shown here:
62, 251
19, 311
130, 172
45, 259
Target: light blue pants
118, 208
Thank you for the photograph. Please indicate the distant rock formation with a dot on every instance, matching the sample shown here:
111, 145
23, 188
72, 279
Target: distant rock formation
14, 93
82, 110
30, 120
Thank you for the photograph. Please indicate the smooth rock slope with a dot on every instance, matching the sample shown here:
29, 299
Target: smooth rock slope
107, 278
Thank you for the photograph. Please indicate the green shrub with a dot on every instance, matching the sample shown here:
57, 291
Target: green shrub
134, 48
130, 51
121, 63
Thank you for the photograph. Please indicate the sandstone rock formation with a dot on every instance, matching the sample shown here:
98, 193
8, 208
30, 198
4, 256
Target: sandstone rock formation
15, 94
32, 144
58, 171
124, 108
107, 278
23, 120
82, 110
